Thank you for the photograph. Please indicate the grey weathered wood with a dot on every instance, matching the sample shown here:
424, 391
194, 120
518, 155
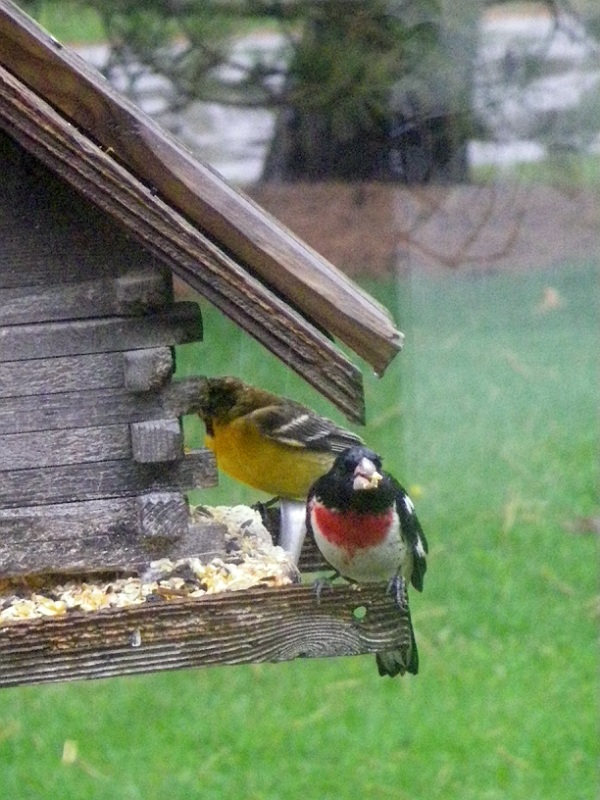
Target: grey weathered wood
162, 515
203, 263
135, 293
65, 374
138, 292
51, 236
180, 323
156, 440
67, 446
73, 241
95, 408
256, 625
311, 559
167, 530
129, 137
147, 370
70, 483
101, 535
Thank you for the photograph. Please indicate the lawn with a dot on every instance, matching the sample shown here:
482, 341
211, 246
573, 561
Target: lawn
490, 416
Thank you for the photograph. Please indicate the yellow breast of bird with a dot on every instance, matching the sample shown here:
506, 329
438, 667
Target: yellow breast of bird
272, 467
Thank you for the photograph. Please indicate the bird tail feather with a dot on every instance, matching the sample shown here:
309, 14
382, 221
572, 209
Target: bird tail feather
398, 661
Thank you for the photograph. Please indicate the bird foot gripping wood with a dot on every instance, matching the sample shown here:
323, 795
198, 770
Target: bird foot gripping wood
324, 583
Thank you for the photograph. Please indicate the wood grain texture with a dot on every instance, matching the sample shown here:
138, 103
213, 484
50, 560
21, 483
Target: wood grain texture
178, 324
189, 253
104, 535
72, 482
67, 446
251, 626
63, 374
162, 515
96, 407
51, 235
311, 559
272, 252
156, 440
147, 370
136, 293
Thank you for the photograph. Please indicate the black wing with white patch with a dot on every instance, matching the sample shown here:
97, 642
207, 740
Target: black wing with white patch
413, 533
297, 426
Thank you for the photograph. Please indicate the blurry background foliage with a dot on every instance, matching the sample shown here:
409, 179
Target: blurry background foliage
382, 89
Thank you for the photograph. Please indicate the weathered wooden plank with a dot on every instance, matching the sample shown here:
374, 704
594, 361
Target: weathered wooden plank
192, 256
252, 626
70, 483
135, 293
180, 323
96, 407
63, 374
52, 236
66, 446
156, 440
148, 370
162, 515
104, 535
136, 370
138, 292
272, 252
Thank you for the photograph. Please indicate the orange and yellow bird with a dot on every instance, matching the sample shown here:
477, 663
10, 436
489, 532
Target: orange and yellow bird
269, 442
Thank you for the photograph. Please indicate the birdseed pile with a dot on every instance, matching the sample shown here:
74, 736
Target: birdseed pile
250, 560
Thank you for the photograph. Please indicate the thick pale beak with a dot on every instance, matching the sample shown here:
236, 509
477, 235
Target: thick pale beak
366, 475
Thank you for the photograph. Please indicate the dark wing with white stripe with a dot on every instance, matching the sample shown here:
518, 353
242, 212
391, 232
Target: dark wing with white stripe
297, 426
413, 533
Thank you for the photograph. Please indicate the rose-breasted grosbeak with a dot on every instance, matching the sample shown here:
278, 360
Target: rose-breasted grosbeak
365, 526
271, 443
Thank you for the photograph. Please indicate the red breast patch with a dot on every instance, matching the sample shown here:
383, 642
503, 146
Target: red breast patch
349, 530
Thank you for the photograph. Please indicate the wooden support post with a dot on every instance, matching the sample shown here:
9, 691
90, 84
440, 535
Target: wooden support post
97, 407
41, 376
143, 291
134, 293
160, 515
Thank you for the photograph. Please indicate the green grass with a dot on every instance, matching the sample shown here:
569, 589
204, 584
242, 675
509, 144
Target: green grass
491, 415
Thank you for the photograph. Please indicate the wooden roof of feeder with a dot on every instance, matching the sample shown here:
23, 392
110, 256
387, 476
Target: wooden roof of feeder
212, 236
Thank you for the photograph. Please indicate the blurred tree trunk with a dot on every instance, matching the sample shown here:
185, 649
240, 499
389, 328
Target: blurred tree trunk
363, 89
381, 91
